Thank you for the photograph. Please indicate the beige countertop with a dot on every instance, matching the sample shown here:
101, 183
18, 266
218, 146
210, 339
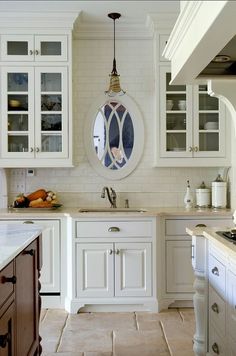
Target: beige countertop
74, 213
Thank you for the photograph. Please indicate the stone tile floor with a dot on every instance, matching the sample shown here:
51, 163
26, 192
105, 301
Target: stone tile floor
169, 333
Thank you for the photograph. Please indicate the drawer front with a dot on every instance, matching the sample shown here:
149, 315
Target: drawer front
217, 311
6, 288
231, 307
216, 343
217, 275
113, 229
178, 227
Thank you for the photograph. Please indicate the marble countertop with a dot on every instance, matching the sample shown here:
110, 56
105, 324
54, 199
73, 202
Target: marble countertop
74, 212
14, 238
210, 234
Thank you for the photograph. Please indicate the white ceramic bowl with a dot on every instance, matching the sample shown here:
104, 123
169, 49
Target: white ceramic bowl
182, 104
169, 104
211, 125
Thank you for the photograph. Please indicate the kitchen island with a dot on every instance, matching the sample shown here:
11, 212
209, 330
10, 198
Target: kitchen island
20, 264
214, 264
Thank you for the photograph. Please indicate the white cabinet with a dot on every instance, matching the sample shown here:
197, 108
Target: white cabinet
34, 114
33, 48
112, 262
51, 269
178, 255
179, 274
122, 269
192, 125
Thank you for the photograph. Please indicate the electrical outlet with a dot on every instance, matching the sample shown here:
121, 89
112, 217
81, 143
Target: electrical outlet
17, 181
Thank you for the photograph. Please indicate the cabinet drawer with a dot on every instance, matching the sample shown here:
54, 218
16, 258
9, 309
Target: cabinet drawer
113, 228
7, 288
217, 275
216, 343
217, 311
178, 227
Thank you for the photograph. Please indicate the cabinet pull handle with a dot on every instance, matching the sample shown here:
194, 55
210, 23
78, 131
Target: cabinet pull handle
190, 149
28, 222
200, 225
117, 251
195, 149
110, 252
192, 252
215, 308
215, 271
114, 229
9, 279
37, 52
215, 348
29, 252
37, 149
31, 149
4, 340
31, 52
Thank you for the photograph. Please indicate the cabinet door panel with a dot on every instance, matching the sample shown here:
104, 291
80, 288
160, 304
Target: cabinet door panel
179, 273
7, 325
27, 301
17, 48
50, 48
133, 269
95, 270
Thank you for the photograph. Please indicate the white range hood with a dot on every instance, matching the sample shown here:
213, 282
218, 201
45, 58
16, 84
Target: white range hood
202, 30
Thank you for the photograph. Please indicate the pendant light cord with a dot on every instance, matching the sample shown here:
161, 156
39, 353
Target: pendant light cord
114, 71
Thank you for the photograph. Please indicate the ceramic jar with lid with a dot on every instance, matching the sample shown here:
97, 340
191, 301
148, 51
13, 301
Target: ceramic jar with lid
203, 196
219, 193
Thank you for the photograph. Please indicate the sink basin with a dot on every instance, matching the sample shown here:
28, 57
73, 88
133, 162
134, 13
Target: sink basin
111, 210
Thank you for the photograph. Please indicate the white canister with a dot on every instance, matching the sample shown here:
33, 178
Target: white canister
219, 194
203, 197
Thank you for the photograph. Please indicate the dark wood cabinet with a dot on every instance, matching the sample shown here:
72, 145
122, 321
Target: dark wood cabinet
20, 303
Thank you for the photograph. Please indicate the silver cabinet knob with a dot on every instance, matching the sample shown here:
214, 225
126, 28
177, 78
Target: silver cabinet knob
215, 308
37, 52
196, 149
110, 252
215, 348
37, 149
31, 52
190, 149
28, 222
215, 271
117, 251
113, 229
31, 149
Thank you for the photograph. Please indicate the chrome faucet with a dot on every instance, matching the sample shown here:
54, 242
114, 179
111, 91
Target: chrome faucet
111, 196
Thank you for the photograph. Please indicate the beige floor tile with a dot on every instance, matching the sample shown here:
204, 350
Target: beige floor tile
86, 340
101, 321
97, 354
141, 343
187, 314
179, 337
150, 321
59, 315
63, 354
49, 346
42, 314
50, 331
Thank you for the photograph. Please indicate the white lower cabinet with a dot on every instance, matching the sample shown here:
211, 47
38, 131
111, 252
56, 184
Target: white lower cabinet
179, 274
113, 262
50, 272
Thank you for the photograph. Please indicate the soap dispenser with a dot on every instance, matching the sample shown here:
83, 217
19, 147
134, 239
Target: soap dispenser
188, 198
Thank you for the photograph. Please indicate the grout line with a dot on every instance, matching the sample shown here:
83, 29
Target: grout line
41, 320
62, 329
136, 321
181, 315
113, 343
165, 338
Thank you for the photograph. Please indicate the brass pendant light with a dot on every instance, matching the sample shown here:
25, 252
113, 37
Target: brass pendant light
114, 87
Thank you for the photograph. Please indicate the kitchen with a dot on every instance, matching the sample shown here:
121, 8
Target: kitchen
157, 181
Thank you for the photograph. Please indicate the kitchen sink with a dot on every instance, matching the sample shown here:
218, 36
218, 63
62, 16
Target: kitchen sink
111, 210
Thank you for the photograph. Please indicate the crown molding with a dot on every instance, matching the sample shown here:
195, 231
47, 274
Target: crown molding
161, 21
40, 20
124, 30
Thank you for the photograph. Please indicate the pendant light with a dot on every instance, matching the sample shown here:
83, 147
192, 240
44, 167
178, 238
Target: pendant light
114, 87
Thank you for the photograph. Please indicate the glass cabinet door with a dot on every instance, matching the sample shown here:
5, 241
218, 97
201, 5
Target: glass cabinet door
17, 47
209, 124
51, 48
51, 112
175, 118
17, 112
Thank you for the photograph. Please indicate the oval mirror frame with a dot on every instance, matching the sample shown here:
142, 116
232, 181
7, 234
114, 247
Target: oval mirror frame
138, 146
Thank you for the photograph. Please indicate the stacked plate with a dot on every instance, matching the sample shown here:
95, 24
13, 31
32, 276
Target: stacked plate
211, 125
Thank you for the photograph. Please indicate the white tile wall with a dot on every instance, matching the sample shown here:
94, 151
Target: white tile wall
146, 186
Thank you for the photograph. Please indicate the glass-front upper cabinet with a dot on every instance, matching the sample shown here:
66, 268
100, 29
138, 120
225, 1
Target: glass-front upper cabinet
191, 122
17, 112
33, 48
34, 112
51, 112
